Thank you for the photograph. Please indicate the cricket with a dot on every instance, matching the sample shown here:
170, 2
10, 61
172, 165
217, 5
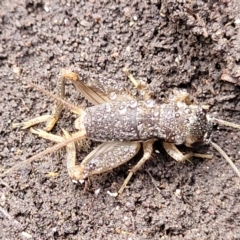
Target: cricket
123, 123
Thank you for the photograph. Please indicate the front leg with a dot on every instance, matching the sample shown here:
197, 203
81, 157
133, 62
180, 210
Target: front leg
172, 150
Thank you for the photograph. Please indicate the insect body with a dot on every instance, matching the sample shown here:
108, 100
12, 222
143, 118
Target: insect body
134, 120
123, 123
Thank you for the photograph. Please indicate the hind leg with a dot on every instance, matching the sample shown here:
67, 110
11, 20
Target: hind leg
49, 119
90, 94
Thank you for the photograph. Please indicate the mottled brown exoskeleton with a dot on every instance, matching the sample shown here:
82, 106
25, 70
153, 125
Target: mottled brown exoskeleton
123, 124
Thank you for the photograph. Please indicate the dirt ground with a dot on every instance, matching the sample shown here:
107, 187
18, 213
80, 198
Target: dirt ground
192, 45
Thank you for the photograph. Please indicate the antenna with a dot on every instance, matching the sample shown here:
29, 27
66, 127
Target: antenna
68, 105
218, 148
225, 123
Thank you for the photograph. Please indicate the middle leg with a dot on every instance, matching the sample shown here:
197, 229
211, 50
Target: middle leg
147, 149
142, 87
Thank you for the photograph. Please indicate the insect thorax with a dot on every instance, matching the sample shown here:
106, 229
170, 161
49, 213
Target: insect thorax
133, 120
